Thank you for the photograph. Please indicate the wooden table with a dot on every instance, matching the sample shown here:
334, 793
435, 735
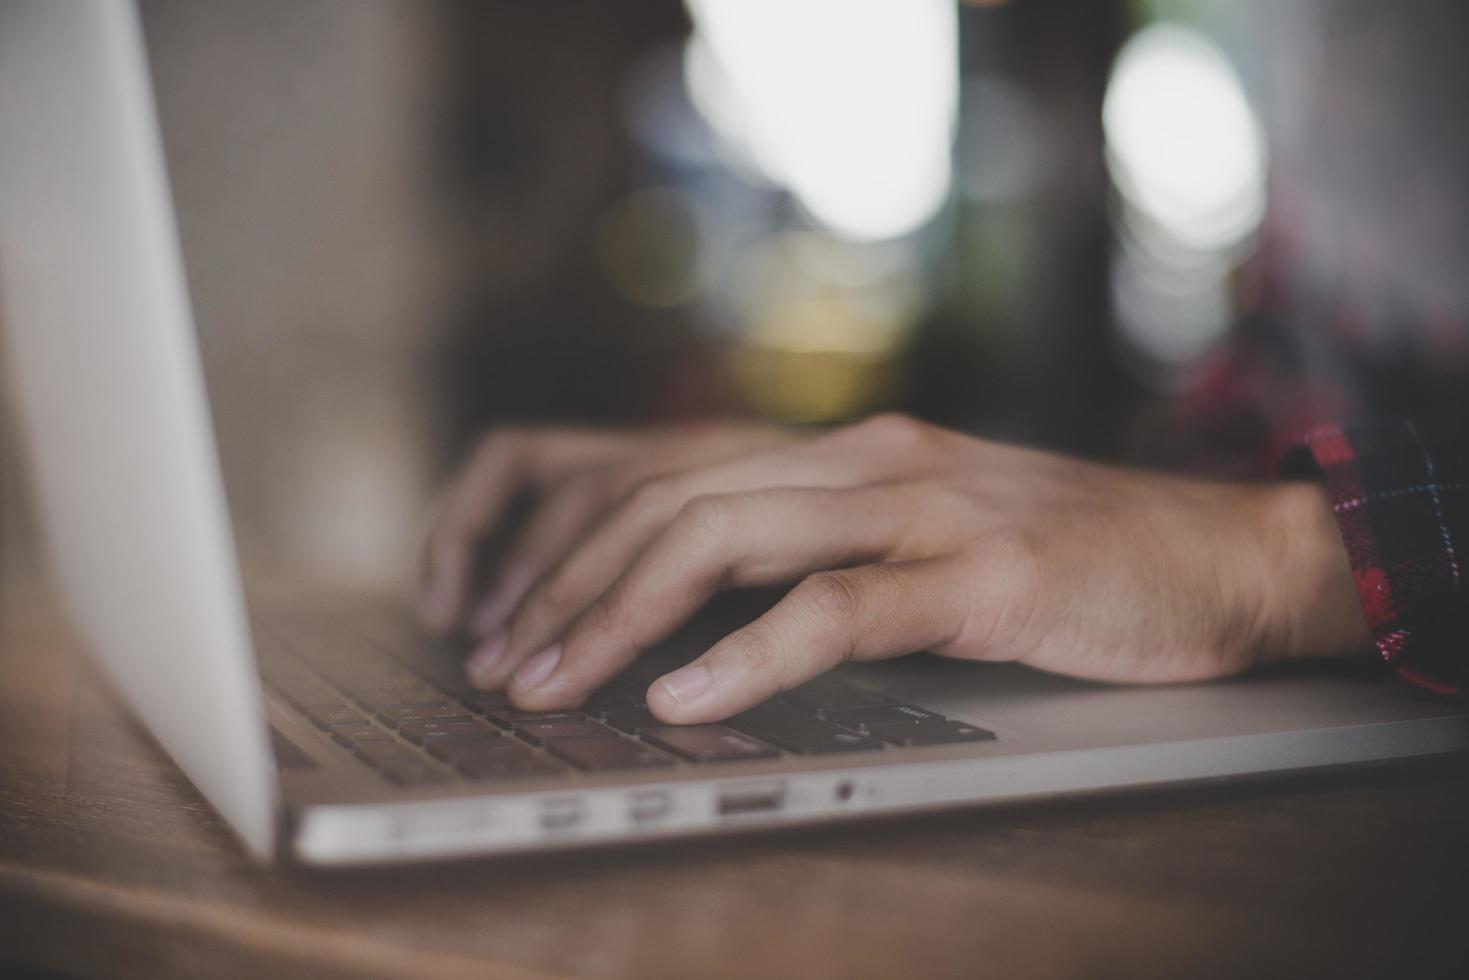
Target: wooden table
111, 865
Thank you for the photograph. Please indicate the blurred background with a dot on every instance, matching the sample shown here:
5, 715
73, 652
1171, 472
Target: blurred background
406, 222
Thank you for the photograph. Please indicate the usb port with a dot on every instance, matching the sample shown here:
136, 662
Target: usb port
650, 807
760, 798
561, 814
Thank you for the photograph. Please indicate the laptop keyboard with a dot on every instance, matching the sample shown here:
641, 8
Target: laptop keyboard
413, 717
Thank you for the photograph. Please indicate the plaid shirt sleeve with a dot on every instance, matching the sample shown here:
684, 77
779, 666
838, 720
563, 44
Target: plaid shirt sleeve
1400, 491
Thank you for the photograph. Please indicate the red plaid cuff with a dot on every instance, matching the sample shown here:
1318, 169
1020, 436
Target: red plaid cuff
1400, 492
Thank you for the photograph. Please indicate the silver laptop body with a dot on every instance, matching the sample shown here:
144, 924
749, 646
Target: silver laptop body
109, 390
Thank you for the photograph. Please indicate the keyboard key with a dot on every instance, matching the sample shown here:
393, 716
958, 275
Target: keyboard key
350, 735
799, 733
440, 671
882, 716
452, 748
707, 743
383, 754
330, 715
632, 720
826, 696
541, 732
607, 753
421, 731
945, 733
396, 714
514, 717
414, 774
482, 700
365, 670
444, 672
605, 701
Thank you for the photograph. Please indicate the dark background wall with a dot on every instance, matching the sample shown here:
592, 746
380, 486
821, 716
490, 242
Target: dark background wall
391, 213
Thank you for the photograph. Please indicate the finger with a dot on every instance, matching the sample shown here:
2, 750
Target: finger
863, 613
555, 527
547, 535
598, 561
511, 462
504, 464
574, 507
741, 540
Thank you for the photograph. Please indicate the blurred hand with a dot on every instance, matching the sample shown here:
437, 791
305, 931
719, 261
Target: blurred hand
575, 477
900, 536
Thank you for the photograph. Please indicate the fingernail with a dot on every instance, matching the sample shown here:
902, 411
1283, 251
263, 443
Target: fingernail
482, 662
686, 684
538, 668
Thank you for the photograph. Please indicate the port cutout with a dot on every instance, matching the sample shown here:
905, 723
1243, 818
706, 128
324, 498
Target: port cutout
751, 798
562, 814
649, 807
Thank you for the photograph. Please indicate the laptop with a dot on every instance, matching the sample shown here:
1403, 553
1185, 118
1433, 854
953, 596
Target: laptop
332, 735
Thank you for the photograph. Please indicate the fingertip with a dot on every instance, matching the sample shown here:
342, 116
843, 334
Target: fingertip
685, 685
483, 668
667, 710
533, 687
685, 696
659, 703
530, 699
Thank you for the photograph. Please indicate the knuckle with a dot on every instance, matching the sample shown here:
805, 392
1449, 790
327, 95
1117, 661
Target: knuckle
602, 616
706, 520
753, 650
652, 496
619, 483
593, 486
896, 429
941, 496
833, 596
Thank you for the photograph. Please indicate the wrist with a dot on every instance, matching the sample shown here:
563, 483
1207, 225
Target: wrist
1310, 601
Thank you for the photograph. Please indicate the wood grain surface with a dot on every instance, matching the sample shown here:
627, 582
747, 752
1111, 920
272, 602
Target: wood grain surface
111, 865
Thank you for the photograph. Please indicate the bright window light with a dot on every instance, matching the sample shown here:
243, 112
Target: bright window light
849, 104
1183, 145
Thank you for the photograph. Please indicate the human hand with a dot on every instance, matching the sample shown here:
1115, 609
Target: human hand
573, 476
901, 536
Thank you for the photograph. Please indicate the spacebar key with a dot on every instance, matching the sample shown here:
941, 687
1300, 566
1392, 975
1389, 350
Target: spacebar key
707, 743
800, 733
598, 753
